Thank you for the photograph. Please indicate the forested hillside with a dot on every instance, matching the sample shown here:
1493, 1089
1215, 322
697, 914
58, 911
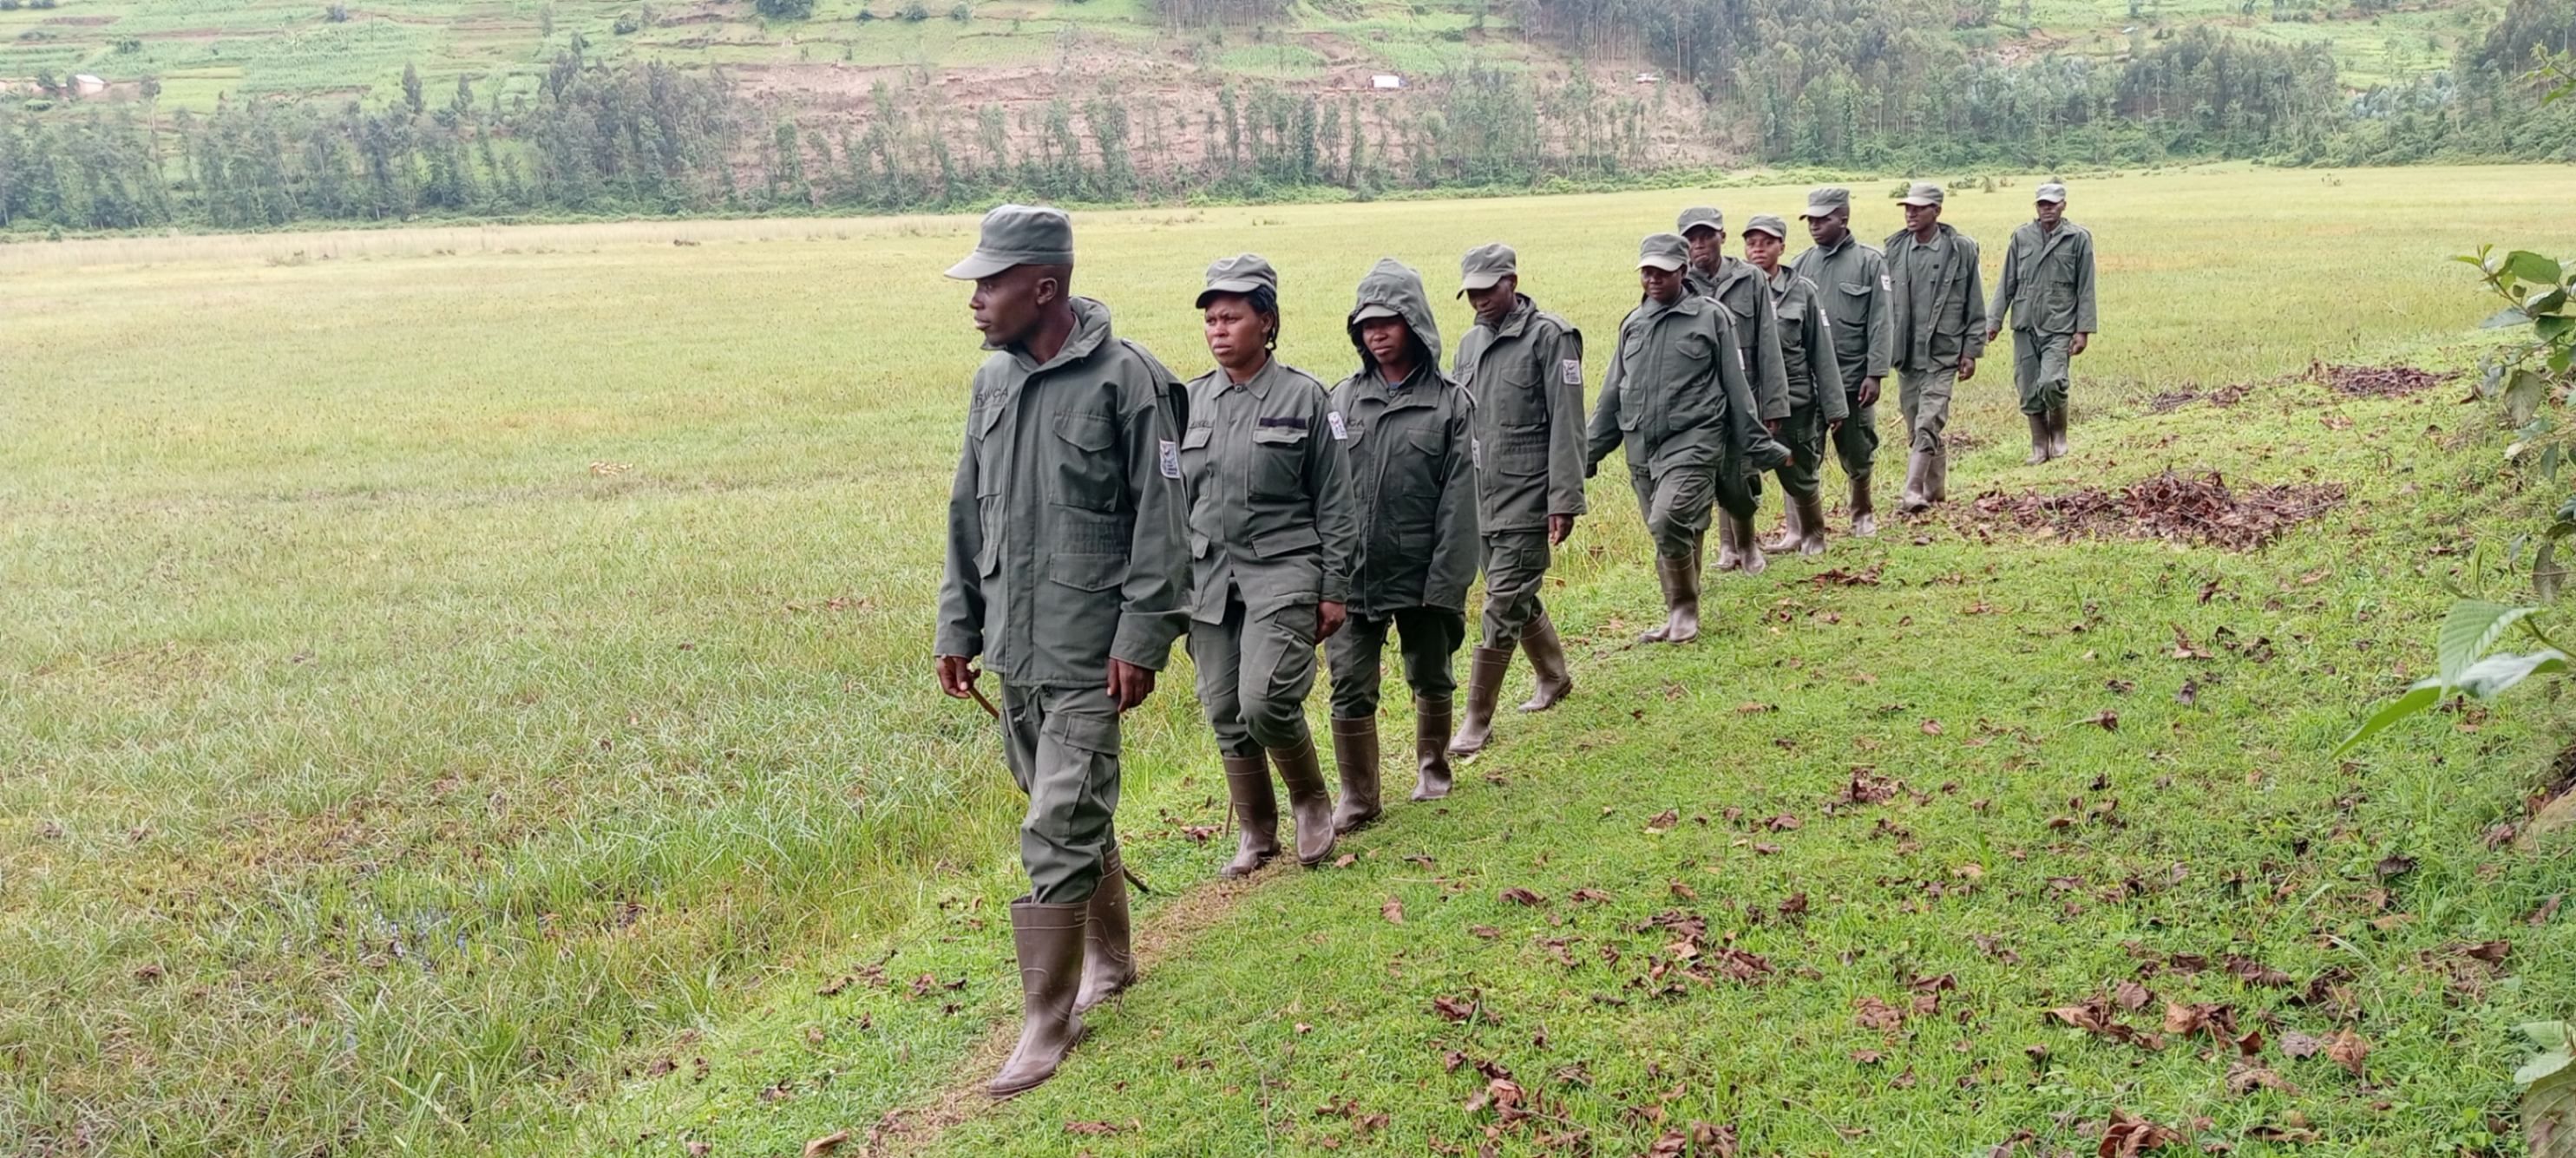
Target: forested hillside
123, 115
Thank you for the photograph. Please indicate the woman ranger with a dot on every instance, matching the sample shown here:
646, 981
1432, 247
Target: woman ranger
1271, 541
1406, 426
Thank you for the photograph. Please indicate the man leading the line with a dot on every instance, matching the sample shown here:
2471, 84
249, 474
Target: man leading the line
1067, 566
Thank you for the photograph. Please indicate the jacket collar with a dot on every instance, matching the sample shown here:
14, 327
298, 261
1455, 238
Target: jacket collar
1517, 320
1090, 332
1258, 385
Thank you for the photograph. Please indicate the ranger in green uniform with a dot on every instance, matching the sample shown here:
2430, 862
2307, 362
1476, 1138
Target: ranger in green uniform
1067, 571
1853, 287
1675, 381
1740, 288
2047, 289
1410, 443
1272, 536
1940, 310
1525, 366
1816, 403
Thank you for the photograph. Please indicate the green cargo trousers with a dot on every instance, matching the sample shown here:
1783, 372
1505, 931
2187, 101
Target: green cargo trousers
1429, 637
1803, 432
1856, 442
2040, 370
1925, 398
1062, 746
1254, 673
1516, 564
1675, 503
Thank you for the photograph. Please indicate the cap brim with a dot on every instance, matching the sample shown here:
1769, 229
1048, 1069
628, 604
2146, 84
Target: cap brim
978, 266
2057, 199
1666, 264
1916, 201
1815, 210
1480, 281
1364, 313
1231, 287
1750, 231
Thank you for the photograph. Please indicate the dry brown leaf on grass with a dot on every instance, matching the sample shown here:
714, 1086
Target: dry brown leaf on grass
1521, 896
2128, 1136
820, 1147
1392, 910
2244, 1079
2349, 1050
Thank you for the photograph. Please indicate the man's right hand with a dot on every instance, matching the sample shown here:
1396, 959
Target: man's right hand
1868, 395
957, 676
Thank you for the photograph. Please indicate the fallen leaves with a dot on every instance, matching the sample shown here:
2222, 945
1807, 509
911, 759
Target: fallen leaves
2349, 1050
2129, 1135
1521, 896
1392, 910
2199, 509
825, 1145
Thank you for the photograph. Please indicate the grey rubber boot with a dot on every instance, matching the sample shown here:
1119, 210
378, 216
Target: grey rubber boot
1355, 756
1431, 748
1486, 668
1811, 519
1256, 814
1917, 494
1048, 939
1547, 659
1108, 960
1309, 800
1864, 516
2040, 440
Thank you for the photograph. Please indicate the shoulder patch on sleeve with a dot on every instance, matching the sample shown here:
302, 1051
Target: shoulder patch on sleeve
1885, 283
1341, 433
1171, 459
1572, 371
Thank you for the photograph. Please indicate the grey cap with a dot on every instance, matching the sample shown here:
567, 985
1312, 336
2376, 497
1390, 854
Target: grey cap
2050, 192
1697, 216
1240, 274
1767, 223
1664, 251
1921, 193
1485, 266
1824, 199
1374, 310
1016, 235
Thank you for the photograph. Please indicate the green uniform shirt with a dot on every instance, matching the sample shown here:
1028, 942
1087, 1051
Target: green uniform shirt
1527, 377
1738, 286
1853, 286
1270, 507
1939, 302
1412, 463
2047, 284
1807, 346
1674, 377
1067, 544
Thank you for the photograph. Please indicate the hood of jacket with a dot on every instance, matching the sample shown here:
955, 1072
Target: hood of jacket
1395, 285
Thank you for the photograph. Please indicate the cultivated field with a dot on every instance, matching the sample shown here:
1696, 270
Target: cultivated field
468, 692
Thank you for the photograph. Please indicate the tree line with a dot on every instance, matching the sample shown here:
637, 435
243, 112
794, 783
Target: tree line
1843, 83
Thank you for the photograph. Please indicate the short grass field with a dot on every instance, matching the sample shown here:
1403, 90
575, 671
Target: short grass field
468, 692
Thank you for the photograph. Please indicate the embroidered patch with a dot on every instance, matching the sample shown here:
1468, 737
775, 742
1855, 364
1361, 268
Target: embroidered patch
1573, 372
1171, 459
1341, 433
1823, 322
1885, 284
1290, 423
1476, 453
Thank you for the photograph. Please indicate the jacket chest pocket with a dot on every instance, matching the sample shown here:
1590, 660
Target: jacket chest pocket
1194, 452
1085, 466
1278, 467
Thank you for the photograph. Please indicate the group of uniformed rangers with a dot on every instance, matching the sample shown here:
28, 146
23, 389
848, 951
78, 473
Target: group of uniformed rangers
1103, 509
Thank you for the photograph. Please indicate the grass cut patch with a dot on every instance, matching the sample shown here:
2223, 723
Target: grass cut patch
447, 707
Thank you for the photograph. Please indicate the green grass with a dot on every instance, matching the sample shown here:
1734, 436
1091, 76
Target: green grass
436, 692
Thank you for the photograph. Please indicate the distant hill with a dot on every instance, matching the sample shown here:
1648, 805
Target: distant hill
264, 111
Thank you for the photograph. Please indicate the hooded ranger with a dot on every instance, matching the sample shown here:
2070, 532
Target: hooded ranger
1408, 433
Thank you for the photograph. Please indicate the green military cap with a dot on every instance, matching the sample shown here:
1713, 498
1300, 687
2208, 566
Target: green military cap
1016, 235
1697, 216
2050, 192
1486, 266
1664, 251
1921, 193
1240, 274
1767, 223
1824, 199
